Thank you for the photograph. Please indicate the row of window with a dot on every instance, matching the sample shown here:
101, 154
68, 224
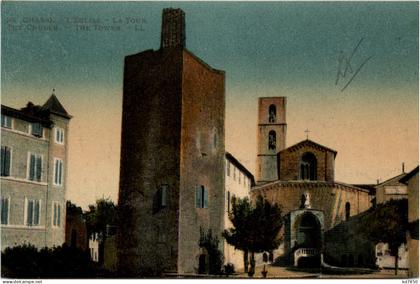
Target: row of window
35, 166
35, 129
241, 176
32, 212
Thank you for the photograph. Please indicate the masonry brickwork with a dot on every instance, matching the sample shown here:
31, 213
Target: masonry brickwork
172, 136
289, 160
271, 119
331, 198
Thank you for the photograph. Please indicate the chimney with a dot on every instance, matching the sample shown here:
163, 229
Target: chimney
403, 171
173, 28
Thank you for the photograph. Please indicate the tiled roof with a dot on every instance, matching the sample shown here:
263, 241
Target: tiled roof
409, 175
25, 115
54, 106
309, 143
241, 167
392, 181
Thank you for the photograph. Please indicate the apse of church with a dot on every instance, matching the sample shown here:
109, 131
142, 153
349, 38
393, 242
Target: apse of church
300, 178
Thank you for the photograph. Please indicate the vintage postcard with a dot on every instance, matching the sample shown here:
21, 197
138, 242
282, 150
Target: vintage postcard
204, 140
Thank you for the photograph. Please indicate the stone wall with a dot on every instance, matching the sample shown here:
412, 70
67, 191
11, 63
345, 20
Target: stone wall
172, 134
289, 162
150, 158
267, 158
202, 157
413, 215
328, 197
346, 245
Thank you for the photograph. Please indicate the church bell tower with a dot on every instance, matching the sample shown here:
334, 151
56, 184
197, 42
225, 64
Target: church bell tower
271, 136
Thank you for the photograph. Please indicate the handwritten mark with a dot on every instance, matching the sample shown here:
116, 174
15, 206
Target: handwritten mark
345, 66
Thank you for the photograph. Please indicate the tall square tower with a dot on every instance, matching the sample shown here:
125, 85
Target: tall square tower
271, 136
172, 155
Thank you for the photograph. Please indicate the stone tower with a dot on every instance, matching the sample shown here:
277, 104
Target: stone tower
173, 28
172, 156
271, 136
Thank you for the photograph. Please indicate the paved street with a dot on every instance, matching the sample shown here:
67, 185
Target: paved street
283, 272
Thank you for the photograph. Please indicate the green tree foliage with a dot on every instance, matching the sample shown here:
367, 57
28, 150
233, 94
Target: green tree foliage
211, 244
103, 213
58, 262
388, 223
255, 228
100, 216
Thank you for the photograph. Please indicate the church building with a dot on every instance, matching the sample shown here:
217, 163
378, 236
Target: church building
300, 178
172, 156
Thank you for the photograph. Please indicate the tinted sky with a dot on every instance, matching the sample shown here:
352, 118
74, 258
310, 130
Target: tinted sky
287, 49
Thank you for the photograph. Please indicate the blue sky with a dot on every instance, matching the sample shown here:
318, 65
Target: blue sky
267, 49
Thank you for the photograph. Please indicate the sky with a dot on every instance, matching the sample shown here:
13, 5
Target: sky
349, 71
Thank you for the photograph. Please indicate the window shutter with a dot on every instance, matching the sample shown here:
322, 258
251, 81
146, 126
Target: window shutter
205, 197
39, 168
32, 167
56, 172
37, 129
36, 219
3, 158
60, 177
4, 210
198, 197
30, 212
6, 161
58, 215
55, 214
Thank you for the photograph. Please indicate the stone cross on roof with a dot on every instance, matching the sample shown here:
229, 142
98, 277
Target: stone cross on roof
307, 134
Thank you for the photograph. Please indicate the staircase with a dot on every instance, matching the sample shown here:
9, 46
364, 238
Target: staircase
304, 252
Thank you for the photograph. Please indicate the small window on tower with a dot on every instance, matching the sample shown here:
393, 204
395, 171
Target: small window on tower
272, 140
161, 199
201, 197
272, 114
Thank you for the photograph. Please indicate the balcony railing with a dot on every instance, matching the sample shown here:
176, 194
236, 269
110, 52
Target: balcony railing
304, 252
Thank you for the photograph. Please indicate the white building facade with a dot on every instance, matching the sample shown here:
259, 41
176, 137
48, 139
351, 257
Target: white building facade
34, 151
238, 182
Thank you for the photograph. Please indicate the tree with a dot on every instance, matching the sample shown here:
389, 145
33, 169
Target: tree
211, 244
101, 215
237, 235
255, 228
388, 223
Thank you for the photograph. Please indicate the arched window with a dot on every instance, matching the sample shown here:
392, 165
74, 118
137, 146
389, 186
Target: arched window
272, 140
307, 170
347, 211
272, 114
